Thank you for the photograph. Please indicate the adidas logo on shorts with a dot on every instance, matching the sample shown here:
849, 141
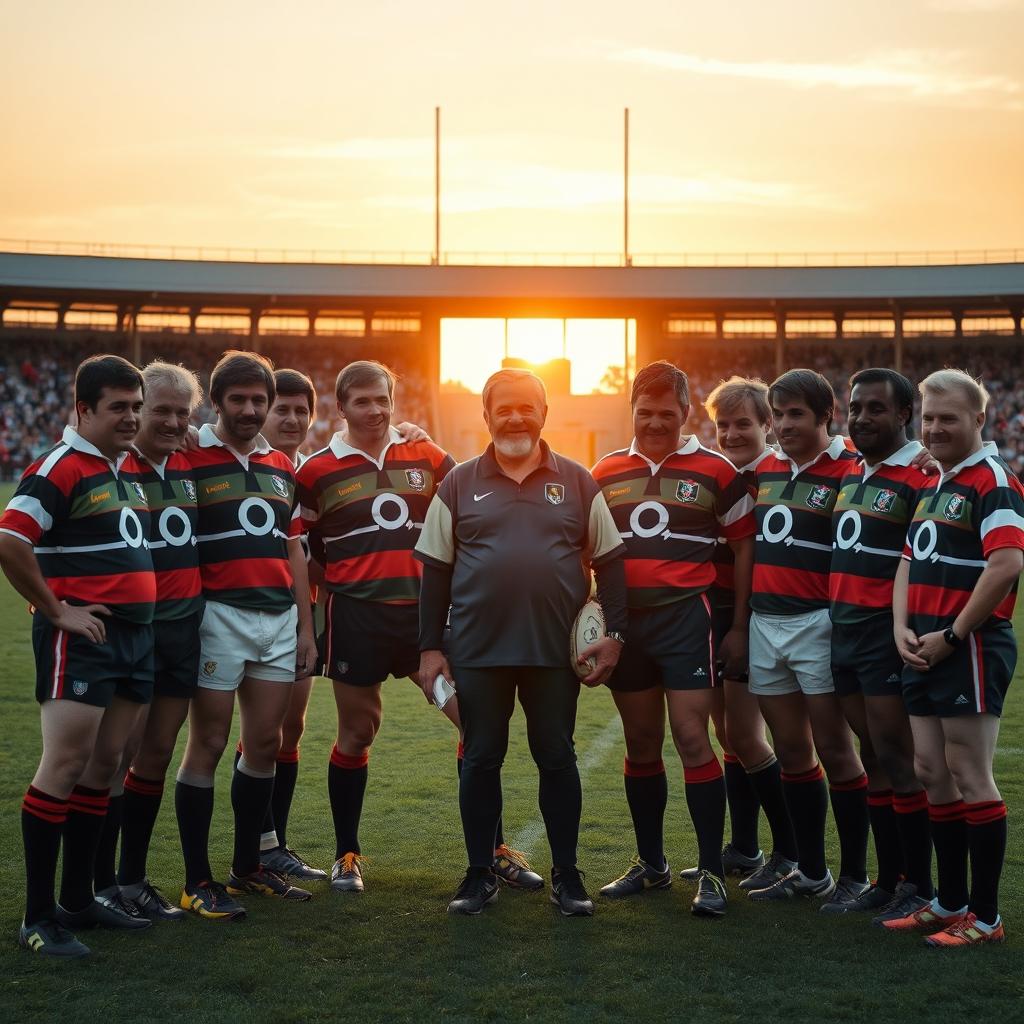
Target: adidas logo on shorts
699, 674
961, 700
894, 678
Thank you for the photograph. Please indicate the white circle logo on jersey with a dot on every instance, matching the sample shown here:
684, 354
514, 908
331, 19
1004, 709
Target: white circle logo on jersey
848, 529
131, 528
925, 540
778, 524
175, 527
383, 501
652, 529
249, 513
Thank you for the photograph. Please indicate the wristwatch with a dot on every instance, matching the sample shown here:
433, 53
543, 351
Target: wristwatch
617, 636
950, 637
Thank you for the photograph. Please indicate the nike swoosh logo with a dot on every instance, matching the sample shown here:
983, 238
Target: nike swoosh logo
480, 497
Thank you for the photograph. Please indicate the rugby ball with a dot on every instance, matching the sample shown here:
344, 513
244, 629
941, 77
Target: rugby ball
587, 629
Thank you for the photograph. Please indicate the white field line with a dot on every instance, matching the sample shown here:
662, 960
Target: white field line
533, 831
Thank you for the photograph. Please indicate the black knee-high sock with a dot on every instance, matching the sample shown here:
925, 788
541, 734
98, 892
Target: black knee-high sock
499, 832
142, 799
561, 803
42, 822
285, 777
986, 839
807, 799
744, 807
766, 781
915, 839
480, 809
86, 810
193, 805
251, 791
647, 796
705, 798
346, 786
886, 834
949, 837
104, 873
850, 809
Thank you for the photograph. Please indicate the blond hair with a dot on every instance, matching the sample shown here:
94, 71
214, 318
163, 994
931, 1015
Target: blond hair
732, 393
174, 377
947, 380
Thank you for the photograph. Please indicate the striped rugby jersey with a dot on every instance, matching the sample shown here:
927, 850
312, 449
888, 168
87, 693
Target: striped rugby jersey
171, 495
793, 549
247, 513
869, 528
87, 520
366, 514
670, 516
721, 592
969, 512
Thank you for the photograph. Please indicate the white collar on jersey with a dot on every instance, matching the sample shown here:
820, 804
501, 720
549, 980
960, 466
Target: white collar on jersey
755, 462
903, 457
208, 439
160, 468
988, 449
73, 439
835, 448
691, 445
342, 448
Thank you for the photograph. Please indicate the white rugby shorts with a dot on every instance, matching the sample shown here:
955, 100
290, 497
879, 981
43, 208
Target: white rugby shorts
791, 653
240, 642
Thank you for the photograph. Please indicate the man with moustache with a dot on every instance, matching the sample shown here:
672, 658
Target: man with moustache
256, 633
508, 545
953, 604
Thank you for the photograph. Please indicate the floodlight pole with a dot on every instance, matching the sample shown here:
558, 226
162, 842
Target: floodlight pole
627, 260
437, 187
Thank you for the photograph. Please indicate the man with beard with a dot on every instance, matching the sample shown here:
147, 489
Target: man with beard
953, 604
256, 633
877, 498
508, 545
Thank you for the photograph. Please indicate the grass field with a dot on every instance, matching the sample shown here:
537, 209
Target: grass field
392, 954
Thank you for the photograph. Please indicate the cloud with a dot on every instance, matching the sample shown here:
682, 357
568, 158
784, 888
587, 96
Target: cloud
910, 73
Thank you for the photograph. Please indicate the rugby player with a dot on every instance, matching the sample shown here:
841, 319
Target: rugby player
743, 420
671, 499
952, 606
507, 545
72, 543
790, 638
877, 498
256, 634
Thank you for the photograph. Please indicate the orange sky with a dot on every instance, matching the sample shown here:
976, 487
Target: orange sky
788, 126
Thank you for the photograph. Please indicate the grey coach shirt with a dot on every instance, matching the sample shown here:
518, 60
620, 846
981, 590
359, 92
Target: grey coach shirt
520, 556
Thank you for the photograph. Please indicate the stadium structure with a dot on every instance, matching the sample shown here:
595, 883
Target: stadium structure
711, 320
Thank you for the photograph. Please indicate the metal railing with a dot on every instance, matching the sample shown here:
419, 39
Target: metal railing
462, 258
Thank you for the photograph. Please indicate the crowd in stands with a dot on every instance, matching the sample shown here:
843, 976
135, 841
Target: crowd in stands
37, 374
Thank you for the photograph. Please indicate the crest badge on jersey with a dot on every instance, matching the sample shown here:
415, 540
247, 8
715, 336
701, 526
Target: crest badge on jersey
884, 501
954, 507
415, 478
555, 493
818, 496
190, 489
280, 486
687, 491
139, 490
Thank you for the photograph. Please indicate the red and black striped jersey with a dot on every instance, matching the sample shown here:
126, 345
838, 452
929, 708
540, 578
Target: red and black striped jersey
670, 517
793, 549
365, 514
974, 509
87, 520
247, 512
171, 495
869, 528
721, 593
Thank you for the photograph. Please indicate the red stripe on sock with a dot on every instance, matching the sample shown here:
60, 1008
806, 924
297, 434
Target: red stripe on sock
954, 811
84, 800
814, 774
730, 759
460, 751
860, 782
880, 798
703, 772
350, 761
45, 807
983, 813
143, 787
288, 756
643, 769
910, 803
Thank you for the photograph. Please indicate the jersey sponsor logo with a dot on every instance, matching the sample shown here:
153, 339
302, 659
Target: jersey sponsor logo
818, 496
357, 486
555, 493
80, 686
687, 491
137, 487
217, 488
209, 667
95, 499
416, 480
280, 486
884, 501
480, 497
617, 492
190, 489
954, 507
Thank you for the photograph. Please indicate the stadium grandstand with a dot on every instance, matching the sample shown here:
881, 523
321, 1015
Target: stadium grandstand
712, 321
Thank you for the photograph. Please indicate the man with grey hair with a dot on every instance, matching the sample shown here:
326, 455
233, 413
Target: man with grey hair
507, 545
953, 605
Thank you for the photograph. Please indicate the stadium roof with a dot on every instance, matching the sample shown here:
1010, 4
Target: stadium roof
457, 288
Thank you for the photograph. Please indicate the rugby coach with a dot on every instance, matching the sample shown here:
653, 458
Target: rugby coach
508, 543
